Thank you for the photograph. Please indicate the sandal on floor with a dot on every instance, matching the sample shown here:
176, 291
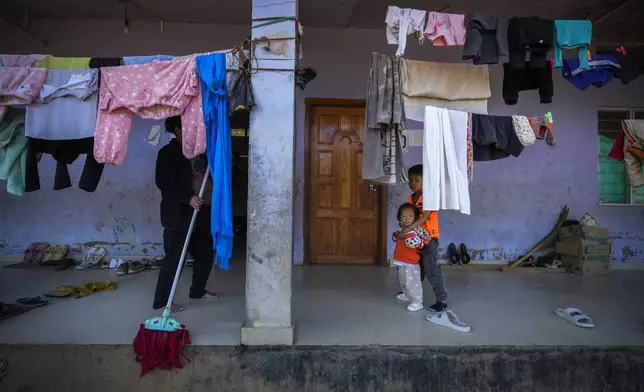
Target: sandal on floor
452, 253
30, 253
448, 319
32, 302
92, 258
39, 252
575, 317
8, 311
58, 294
54, 253
465, 256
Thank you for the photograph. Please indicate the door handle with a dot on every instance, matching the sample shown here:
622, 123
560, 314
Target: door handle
372, 188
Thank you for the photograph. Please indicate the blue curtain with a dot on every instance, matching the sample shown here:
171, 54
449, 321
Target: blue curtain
212, 71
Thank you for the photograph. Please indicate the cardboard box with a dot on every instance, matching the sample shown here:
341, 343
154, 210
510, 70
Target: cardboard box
586, 267
598, 235
582, 248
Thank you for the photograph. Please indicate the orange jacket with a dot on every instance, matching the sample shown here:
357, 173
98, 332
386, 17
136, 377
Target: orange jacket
407, 249
432, 223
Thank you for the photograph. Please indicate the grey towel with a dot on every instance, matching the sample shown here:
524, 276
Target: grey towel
382, 157
485, 39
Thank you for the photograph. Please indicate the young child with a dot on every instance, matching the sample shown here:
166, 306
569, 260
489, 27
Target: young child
429, 254
407, 258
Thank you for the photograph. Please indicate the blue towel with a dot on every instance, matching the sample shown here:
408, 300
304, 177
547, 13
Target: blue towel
212, 71
136, 60
572, 34
602, 69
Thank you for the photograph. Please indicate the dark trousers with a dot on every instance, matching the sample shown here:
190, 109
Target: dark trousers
430, 269
200, 249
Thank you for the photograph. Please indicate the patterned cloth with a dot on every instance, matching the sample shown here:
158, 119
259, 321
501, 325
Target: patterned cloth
382, 159
470, 149
157, 90
523, 130
29, 60
410, 282
542, 129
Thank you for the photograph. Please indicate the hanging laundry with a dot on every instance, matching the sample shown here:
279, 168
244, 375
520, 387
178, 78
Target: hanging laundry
494, 138
20, 86
485, 39
382, 157
66, 107
530, 35
542, 128
470, 149
100, 62
212, 70
303, 76
52, 62
525, 79
27, 61
445, 29
13, 151
463, 87
631, 61
617, 152
445, 184
634, 151
138, 60
523, 130
157, 90
602, 68
572, 34
402, 22
64, 152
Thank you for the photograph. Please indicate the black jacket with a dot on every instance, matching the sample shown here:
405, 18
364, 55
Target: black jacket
174, 179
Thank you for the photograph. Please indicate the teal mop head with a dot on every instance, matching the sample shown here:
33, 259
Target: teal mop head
163, 323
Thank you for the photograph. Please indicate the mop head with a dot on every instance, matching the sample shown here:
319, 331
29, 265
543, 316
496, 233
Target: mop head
160, 349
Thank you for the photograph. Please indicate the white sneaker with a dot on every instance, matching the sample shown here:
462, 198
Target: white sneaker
403, 297
415, 307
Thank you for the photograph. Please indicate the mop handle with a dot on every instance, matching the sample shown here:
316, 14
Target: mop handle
187, 241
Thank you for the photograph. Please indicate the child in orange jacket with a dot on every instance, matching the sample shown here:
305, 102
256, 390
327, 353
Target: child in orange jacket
407, 258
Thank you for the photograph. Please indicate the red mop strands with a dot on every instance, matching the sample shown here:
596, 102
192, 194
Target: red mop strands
160, 349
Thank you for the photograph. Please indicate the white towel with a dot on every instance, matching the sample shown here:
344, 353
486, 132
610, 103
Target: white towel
402, 22
445, 185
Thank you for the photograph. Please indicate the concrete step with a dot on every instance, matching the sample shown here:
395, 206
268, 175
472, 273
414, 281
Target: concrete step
97, 368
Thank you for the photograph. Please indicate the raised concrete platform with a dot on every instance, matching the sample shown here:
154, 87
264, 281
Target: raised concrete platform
324, 369
342, 305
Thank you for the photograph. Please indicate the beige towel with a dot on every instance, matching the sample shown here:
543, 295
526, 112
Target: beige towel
464, 87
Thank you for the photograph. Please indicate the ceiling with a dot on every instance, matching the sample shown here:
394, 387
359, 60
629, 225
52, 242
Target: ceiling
621, 26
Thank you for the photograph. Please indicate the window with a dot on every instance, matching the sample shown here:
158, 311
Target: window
612, 178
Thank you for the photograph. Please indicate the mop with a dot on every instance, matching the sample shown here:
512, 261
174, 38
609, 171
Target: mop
158, 344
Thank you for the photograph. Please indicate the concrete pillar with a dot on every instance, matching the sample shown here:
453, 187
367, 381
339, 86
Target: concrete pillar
269, 253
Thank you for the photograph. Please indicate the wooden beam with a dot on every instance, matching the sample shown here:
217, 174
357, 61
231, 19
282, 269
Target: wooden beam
22, 30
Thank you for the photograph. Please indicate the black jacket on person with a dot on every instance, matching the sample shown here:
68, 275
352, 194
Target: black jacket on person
173, 176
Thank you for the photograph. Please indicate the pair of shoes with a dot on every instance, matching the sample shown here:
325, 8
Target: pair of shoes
414, 307
458, 256
402, 297
129, 267
93, 257
438, 307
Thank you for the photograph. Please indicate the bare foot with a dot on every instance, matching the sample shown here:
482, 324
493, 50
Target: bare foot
174, 308
209, 295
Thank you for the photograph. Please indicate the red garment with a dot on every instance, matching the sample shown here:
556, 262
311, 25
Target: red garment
617, 151
160, 349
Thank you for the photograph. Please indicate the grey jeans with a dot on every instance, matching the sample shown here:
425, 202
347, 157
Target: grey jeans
430, 269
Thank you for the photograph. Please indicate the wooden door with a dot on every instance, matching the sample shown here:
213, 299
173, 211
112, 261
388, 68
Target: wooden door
344, 211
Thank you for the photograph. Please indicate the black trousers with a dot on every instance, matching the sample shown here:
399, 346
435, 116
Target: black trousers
200, 249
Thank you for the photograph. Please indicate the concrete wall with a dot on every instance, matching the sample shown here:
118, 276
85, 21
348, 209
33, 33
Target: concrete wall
515, 202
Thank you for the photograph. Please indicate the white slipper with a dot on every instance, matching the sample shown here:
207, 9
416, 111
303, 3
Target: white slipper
93, 257
575, 317
448, 319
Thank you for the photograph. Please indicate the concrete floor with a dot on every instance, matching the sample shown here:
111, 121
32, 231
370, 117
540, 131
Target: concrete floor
342, 305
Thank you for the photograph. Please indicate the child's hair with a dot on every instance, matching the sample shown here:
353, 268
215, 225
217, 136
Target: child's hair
171, 123
416, 170
407, 206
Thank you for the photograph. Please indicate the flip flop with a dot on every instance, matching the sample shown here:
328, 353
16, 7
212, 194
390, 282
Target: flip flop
30, 252
39, 252
454, 256
448, 319
465, 257
54, 253
576, 317
57, 294
32, 302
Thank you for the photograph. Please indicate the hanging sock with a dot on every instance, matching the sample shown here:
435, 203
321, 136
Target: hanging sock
212, 70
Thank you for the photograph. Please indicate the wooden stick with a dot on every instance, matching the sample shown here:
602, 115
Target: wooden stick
619, 7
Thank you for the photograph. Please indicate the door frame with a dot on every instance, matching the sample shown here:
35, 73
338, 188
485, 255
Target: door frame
309, 104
